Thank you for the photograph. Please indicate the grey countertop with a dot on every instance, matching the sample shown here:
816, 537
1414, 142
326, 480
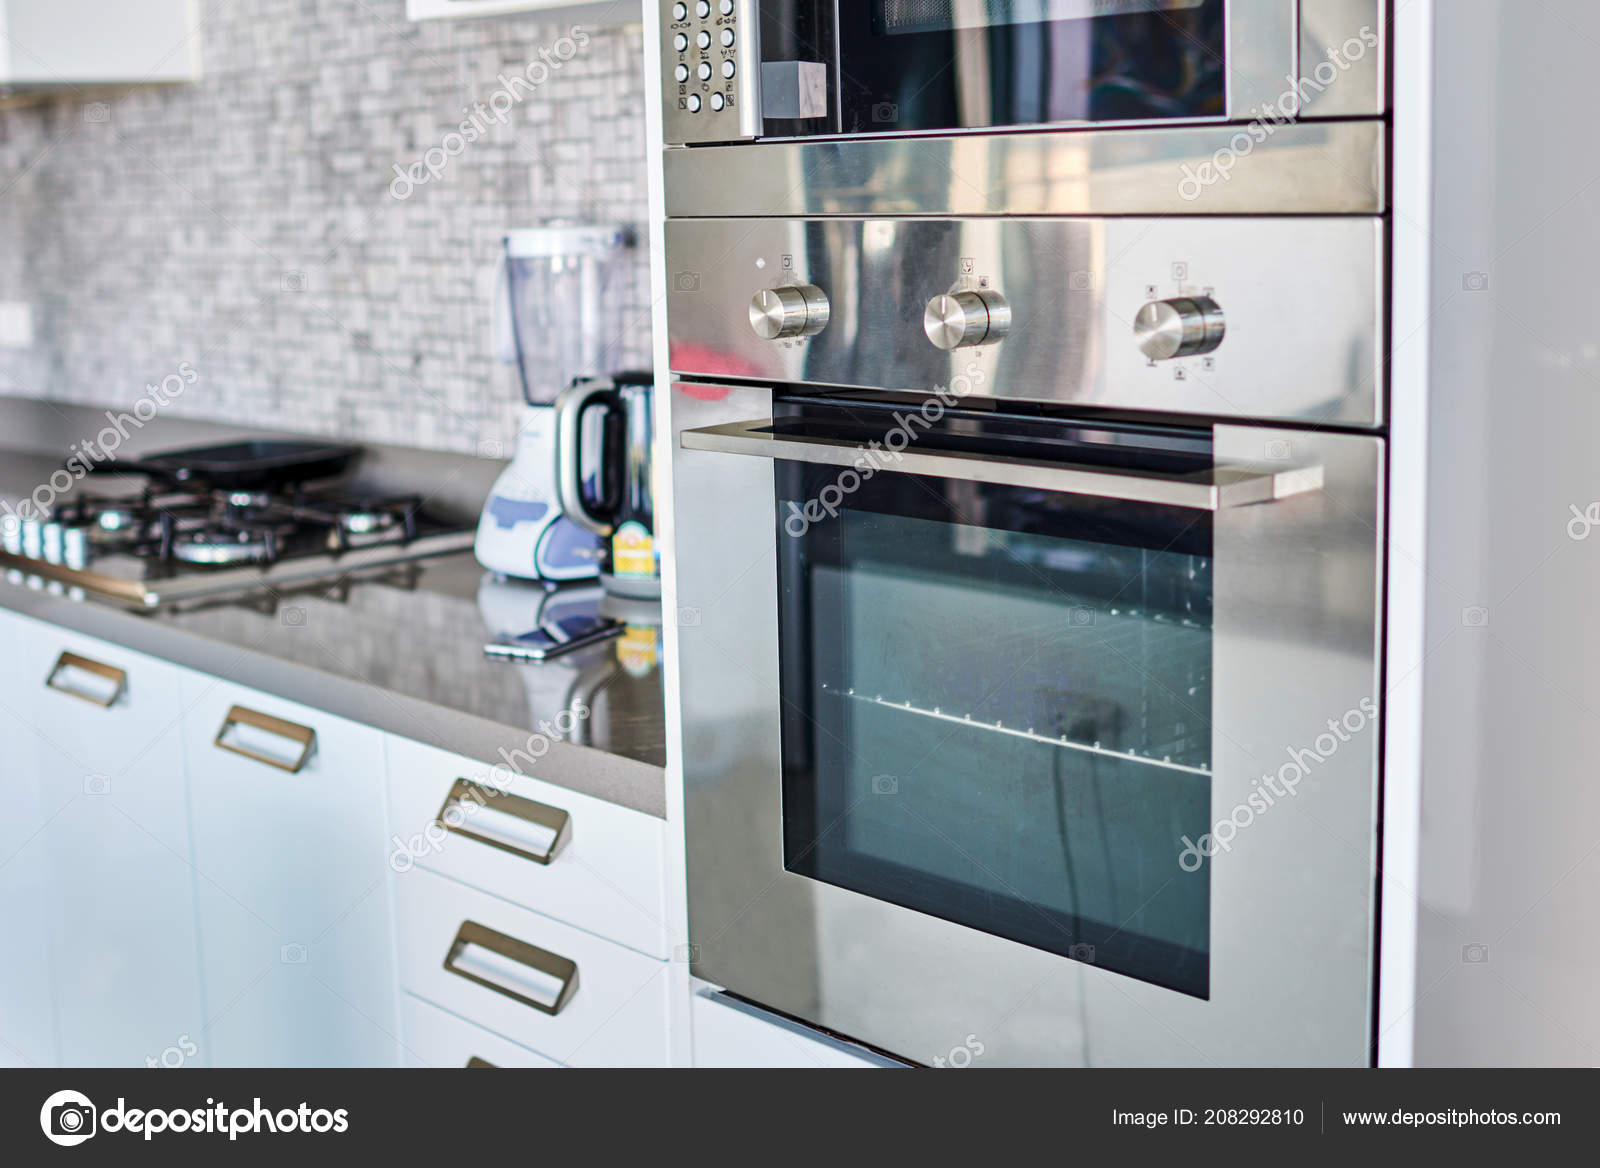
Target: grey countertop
402, 651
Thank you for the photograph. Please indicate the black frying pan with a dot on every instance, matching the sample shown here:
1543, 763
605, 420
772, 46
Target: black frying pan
241, 465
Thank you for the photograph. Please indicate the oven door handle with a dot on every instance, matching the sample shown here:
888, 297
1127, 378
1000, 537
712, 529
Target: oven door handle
1215, 489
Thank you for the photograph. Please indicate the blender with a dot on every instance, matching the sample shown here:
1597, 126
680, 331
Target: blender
559, 293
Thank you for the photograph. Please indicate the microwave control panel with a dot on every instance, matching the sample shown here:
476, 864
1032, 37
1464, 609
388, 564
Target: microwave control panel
710, 70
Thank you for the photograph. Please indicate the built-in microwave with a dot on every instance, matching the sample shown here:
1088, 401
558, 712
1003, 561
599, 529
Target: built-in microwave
735, 70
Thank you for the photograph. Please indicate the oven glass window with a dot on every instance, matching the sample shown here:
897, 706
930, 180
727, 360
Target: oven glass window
997, 711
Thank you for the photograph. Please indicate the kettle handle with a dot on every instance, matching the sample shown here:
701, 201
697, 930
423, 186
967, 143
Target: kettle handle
570, 407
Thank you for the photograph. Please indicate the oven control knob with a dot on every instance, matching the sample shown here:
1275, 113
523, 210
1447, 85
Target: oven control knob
961, 319
791, 311
1168, 329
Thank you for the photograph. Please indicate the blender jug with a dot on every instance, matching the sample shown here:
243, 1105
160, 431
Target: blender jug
560, 291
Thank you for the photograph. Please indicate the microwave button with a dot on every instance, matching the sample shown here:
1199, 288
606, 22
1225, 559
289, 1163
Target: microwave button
681, 43
791, 311
717, 101
1184, 327
693, 103
681, 72
703, 9
703, 39
728, 69
961, 319
705, 70
680, 12
726, 7
727, 38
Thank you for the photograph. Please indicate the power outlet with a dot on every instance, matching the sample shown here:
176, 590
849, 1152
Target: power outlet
16, 324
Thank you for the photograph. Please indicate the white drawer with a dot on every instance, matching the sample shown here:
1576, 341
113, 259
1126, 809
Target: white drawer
599, 1005
471, 822
434, 1038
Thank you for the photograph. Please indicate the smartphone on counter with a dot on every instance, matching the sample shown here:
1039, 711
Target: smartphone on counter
554, 638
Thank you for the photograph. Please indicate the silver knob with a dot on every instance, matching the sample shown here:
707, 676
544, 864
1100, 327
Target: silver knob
962, 319
1168, 329
791, 311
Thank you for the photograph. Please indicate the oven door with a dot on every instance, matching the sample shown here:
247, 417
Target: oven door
1069, 755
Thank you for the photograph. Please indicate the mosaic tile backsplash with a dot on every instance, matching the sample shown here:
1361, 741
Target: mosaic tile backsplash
255, 227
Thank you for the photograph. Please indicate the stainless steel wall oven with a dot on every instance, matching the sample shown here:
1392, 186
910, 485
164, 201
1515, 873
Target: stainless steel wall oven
1029, 523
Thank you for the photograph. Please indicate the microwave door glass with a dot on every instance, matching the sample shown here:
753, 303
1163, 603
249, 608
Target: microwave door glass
999, 711
977, 64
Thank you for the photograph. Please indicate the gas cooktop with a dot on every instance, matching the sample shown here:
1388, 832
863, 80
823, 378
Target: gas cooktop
160, 545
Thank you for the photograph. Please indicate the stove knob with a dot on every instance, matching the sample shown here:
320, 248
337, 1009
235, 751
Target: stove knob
1168, 329
962, 319
791, 311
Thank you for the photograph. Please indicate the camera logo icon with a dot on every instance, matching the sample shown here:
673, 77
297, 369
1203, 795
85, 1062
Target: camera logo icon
68, 1118
686, 281
292, 954
885, 111
885, 785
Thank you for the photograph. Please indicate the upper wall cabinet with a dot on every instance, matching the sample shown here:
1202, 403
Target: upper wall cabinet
616, 13
48, 44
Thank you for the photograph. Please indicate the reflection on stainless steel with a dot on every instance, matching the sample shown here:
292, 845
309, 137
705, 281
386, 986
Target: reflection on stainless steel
1305, 330
1294, 642
1312, 168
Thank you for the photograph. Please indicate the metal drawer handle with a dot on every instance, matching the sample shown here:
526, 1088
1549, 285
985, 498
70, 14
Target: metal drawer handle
522, 972
1216, 489
304, 736
505, 821
98, 692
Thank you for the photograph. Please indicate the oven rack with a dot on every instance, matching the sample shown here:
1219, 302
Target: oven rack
1030, 734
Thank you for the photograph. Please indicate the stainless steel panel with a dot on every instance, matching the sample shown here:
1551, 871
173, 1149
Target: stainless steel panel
1311, 168
1303, 299
1354, 35
1296, 631
740, 116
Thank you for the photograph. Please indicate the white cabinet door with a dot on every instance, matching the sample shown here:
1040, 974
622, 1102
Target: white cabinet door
27, 981
55, 42
109, 755
296, 933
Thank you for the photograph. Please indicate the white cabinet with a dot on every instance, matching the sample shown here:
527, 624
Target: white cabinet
460, 9
289, 841
48, 43
27, 980
107, 754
